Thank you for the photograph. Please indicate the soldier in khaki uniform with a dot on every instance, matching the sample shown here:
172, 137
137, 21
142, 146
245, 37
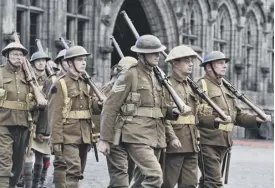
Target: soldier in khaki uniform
71, 103
181, 164
16, 101
215, 142
40, 146
118, 157
138, 98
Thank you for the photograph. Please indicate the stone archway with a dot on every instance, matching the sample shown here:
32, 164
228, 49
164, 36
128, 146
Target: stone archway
161, 20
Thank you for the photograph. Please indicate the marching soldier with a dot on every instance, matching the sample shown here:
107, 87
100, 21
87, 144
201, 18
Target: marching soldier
119, 177
40, 145
71, 102
138, 98
16, 102
181, 161
216, 142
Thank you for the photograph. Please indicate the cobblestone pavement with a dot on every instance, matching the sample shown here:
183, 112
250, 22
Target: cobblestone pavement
251, 167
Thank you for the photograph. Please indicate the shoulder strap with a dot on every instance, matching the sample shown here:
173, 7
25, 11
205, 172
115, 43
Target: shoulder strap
135, 80
204, 86
64, 87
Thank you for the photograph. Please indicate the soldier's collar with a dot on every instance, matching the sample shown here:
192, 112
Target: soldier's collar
11, 68
213, 80
177, 77
147, 68
71, 75
42, 77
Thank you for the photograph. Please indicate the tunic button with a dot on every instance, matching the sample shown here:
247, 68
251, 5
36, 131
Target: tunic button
80, 106
18, 99
18, 92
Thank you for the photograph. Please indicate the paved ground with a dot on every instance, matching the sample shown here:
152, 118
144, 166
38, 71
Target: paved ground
252, 166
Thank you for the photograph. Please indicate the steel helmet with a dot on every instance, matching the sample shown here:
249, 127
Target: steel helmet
60, 56
213, 56
14, 46
75, 51
148, 44
39, 55
180, 52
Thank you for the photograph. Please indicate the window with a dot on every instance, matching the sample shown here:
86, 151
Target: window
80, 7
69, 28
69, 6
250, 49
76, 21
20, 1
34, 3
192, 31
19, 21
80, 33
222, 29
33, 32
271, 62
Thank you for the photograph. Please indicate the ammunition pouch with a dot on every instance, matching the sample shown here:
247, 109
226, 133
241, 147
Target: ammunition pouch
226, 127
132, 101
185, 120
205, 110
3, 94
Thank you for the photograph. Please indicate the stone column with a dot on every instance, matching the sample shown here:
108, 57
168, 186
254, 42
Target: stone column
265, 71
238, 132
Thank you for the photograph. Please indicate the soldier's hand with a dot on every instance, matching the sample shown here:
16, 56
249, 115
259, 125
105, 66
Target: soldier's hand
175, 143
57, 149
39, 138
267, 119
104, 147
186, 109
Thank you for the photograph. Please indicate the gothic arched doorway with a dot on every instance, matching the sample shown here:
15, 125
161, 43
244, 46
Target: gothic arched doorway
122, 32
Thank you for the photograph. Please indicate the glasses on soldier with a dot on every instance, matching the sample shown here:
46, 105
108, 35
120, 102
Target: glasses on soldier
186, 60
16, 54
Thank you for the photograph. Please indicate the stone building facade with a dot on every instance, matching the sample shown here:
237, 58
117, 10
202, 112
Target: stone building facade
242, 29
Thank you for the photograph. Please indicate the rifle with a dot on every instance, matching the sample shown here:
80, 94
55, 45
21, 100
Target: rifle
241, 96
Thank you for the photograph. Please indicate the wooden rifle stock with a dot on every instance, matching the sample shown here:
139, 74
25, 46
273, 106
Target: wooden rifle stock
164, 81
206, 98
98, 93
241, 96
29, 75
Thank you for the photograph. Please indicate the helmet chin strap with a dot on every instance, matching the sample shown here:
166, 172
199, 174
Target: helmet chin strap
215, 73
76, 68
145, 61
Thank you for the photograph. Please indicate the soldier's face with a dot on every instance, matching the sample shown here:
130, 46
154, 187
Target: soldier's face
80, 63
220, 67
185, 65
152, 58
40, 64
16, 57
